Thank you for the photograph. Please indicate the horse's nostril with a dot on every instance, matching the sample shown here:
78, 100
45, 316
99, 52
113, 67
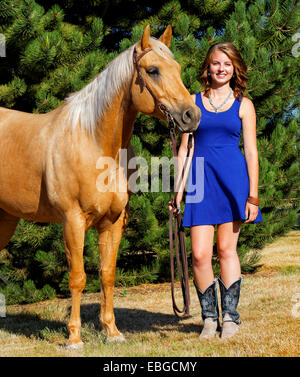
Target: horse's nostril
188, 116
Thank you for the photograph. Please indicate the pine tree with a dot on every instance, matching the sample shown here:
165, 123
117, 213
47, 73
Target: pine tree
47, 58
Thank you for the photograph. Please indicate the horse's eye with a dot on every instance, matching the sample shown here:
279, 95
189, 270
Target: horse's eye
153, 71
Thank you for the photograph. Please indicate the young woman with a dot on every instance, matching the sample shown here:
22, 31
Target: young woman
228, 196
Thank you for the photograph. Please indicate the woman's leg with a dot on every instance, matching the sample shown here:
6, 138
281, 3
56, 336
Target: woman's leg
230, 281
202, 238
227, 238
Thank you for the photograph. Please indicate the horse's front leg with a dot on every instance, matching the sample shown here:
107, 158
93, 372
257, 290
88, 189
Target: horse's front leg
74, 232
109, 240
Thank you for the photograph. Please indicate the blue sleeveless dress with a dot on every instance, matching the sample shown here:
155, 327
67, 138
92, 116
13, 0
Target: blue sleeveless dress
218, 183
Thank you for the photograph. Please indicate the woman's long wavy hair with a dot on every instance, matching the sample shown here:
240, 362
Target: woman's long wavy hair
238, 82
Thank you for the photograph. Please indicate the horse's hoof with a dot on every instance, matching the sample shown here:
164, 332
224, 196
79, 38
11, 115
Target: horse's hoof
74, 346
120, 339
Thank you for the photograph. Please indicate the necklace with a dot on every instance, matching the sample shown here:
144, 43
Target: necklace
219, 107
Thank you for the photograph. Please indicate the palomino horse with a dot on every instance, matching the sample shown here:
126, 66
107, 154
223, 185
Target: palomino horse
48, 161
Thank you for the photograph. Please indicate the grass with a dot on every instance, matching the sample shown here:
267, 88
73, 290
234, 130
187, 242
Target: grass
144, 315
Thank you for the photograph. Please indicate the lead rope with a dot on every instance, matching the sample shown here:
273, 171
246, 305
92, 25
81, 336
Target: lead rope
181, 255
180, 249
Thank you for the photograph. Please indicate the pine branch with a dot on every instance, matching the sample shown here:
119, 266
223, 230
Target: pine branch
292, 29
260, 86
287, 90
279, 52
288, 199
289, 16
9, 7
268, 184
257, 66
261, 27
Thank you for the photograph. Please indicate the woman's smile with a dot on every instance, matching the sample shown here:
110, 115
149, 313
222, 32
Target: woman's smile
221, 67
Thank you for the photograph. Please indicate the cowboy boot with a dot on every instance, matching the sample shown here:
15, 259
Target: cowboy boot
210, 310
229, 302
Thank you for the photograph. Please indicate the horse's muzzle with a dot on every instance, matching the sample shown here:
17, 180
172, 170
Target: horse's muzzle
188, 120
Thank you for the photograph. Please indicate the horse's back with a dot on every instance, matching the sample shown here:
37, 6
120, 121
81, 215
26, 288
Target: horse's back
14, 119
23, 138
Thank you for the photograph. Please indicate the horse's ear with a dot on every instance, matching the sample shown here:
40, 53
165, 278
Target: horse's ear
145, 38
166, 36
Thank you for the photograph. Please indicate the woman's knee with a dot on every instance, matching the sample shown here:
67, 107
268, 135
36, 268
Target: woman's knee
226, 252
201, 256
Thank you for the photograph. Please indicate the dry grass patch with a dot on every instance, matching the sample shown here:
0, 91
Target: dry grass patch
144, 315
282, 253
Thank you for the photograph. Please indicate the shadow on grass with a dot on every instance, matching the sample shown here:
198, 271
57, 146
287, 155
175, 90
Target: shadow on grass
127, 320
30, 325
137, 320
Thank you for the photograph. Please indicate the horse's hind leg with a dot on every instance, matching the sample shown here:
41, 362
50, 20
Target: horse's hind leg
8, 224
74, 231
109, 241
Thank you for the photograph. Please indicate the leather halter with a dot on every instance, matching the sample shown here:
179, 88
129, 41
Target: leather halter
143, 83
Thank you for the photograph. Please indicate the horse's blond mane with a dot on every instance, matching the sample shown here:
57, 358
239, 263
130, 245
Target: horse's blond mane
89, 104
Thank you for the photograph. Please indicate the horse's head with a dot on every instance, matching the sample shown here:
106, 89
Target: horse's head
157, 87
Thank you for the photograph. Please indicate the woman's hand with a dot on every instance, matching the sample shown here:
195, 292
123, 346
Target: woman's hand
179, 187
177, 206
251, 212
